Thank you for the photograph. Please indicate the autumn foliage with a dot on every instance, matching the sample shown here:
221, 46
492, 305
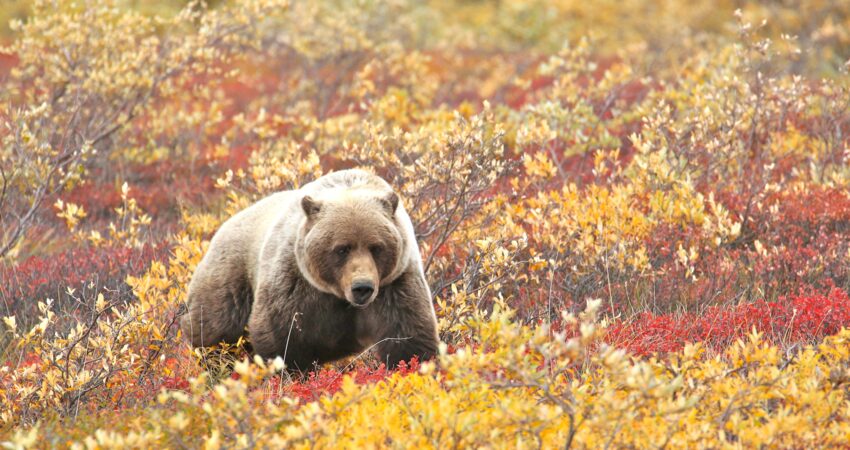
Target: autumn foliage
634, 217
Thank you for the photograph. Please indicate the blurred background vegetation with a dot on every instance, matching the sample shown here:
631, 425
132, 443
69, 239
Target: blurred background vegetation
657, 30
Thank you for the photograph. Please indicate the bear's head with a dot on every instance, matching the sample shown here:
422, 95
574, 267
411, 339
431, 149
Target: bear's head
350, 243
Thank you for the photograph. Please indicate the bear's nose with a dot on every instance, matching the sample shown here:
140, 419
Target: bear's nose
362, 291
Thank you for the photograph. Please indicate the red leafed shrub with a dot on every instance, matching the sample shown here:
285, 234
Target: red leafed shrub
793, 238
175, 383
807, 237
87, 270
159, 188
803, 318
327, 381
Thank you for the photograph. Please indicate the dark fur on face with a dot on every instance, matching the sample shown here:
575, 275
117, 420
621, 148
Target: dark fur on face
352, 247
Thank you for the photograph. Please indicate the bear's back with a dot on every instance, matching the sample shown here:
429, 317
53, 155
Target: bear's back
346, 179
242, 236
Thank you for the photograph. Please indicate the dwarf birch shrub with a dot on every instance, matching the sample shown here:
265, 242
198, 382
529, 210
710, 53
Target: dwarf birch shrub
108, 358
514, 385
85, 72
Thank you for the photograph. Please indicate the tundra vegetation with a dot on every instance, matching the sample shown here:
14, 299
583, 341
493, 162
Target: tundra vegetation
634, 216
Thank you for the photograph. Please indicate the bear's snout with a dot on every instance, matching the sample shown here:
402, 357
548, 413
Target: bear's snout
361, 292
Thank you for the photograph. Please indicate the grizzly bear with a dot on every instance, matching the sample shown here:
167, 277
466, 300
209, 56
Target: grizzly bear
316, 274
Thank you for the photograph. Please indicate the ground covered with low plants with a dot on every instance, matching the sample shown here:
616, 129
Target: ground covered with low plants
634, 217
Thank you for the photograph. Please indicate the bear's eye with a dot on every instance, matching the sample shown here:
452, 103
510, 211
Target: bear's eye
376, 250
342, 250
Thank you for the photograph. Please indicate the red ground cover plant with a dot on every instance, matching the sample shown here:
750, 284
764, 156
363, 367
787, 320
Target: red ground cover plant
160, 188
306, 387
87, 270
798, 319
328, 380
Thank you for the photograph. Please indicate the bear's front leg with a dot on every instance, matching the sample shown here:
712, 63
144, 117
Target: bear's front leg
276, 320
406, 317
295, 321
275, 329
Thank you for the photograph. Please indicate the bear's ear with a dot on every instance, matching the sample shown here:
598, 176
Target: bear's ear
311, 206
390, 202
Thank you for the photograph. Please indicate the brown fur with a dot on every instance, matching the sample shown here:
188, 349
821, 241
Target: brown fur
287, 268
